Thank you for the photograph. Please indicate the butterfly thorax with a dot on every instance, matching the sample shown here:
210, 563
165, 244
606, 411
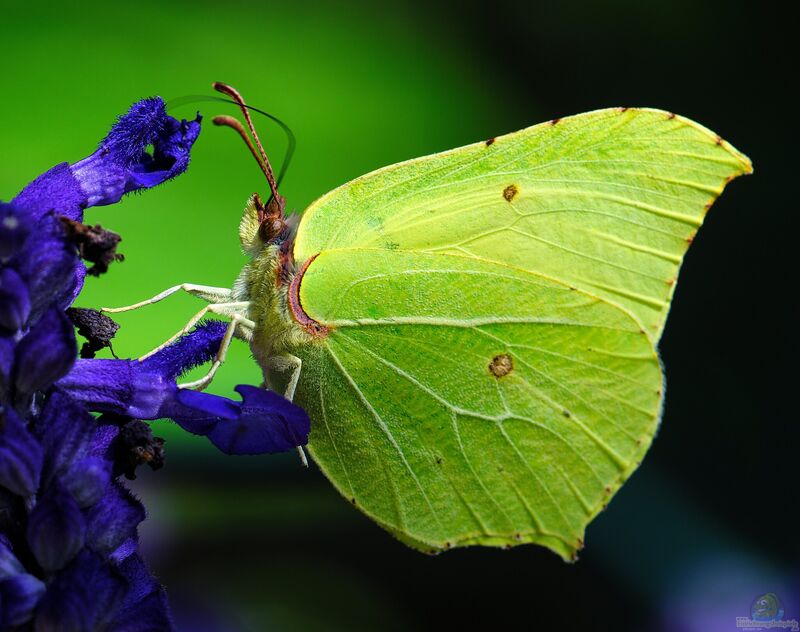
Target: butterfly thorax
267, 282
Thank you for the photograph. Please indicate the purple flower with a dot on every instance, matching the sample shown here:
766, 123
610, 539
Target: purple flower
61, 508
45, 262
56, 528
120, 165
68, 525
15, 304
20, 592
14, 230
20, 456
84, 596
45, 353
262, 423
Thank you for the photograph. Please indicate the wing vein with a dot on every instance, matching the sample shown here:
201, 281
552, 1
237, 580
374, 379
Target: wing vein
385, 430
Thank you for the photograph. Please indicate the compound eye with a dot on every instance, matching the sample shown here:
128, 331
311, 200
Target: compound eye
271, 229
277, 227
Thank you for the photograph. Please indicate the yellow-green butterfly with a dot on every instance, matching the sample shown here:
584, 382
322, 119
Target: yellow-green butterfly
473, 333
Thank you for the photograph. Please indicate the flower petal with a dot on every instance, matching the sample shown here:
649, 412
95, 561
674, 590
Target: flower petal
65, 431
170, 153
140, 126
264, 422
46, 353
124, 551
57, 191
56, 529
6, 362
121, 164
268, 423
144, 607
199, 412
20, 456
113, 520
14, 230
87, 480
83, 597
192, 350
121, 387
147, 389
15, 304
50, 266
9, 564
19, 596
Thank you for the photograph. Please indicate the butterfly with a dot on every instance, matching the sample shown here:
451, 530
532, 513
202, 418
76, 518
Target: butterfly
474, 333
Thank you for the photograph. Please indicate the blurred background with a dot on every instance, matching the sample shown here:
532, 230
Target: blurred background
707, 524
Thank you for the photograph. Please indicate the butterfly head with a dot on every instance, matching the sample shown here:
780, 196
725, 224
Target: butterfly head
271, 218
262, 224
265, 225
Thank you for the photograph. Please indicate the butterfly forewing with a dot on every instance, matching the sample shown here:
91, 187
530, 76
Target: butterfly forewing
606, 201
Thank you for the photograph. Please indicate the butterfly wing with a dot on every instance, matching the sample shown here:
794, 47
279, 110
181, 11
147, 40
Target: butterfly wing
459, 401
606, 201
489, 375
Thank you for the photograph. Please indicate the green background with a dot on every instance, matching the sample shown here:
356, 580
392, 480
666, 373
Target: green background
692, 539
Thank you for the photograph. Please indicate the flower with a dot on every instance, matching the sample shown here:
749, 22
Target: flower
262, 423
120, 165
61, 508
68, 525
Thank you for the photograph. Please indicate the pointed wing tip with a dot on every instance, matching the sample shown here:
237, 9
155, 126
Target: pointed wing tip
747, 164
744, 164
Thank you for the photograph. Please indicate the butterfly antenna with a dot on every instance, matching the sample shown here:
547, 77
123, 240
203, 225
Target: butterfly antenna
233, 94
229, 121
291, 140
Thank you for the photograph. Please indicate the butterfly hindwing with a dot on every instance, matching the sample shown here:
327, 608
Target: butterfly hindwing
460, 401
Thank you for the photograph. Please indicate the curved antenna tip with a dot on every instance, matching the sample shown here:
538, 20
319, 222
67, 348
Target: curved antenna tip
224, 119
231, 92
224, 88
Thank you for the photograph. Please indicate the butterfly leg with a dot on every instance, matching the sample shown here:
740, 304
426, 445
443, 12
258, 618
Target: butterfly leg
286, 363
283, 364
205, 292
222, 309
237, 322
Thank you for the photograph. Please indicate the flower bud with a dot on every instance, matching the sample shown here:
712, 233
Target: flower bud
15, 303
87, 480
20, 456
19, 596
9, 564
113, 520
14, 229
46, 353
56, 529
